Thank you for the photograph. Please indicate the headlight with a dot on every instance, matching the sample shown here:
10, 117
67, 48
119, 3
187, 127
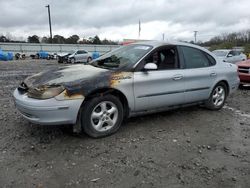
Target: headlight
45, 92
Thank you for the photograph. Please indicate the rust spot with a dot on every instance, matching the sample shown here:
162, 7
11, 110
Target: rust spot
116, 78
72, 96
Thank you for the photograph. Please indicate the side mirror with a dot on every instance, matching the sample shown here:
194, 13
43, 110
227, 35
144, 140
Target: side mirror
229, 55
150, 66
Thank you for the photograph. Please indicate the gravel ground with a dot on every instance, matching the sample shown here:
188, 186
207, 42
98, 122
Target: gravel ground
190, 147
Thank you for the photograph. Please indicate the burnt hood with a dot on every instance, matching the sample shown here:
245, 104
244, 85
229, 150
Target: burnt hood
75, 78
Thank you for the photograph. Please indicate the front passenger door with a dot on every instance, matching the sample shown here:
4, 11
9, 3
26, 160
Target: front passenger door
162, 87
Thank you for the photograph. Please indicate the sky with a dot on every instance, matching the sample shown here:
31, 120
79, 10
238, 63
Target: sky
119, 19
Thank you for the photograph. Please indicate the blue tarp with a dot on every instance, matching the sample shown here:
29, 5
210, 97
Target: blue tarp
6, 56
43, 54
95, 55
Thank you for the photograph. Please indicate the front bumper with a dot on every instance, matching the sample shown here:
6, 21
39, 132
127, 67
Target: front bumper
244, 78
49, 111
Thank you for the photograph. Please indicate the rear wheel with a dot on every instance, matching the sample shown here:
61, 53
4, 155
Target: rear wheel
218, 97
101, 116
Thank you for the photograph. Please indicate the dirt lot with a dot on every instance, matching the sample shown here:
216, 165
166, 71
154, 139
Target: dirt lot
190, 147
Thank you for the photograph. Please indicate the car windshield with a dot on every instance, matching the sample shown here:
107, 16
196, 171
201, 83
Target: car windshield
122, 57
220, 53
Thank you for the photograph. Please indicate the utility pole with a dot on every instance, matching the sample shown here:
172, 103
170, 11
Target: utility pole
139, 29
49, 23
195, 36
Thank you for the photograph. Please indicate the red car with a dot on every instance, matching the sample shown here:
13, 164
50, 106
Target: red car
244, 71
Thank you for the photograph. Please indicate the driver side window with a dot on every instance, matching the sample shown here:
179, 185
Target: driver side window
165, 58
231, 53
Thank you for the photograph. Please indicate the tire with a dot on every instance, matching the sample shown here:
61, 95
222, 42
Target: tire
241, 86
97, 118
218, 97
72, 60
89, 59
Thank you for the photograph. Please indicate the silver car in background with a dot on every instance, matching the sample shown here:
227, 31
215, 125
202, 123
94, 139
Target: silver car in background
131, 80
230, 56
80, 56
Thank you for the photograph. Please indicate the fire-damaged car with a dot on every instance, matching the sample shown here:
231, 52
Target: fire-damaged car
131, 80
63, 57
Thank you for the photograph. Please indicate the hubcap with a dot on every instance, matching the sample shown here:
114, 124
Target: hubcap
104, 116
218, 96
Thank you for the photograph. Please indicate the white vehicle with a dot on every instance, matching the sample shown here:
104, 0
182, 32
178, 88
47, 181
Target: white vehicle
231, 56
82, 56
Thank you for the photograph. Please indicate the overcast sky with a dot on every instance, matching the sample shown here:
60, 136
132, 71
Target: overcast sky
118, 19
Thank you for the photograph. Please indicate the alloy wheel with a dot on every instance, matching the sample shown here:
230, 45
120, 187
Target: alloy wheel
219, 96
104, 116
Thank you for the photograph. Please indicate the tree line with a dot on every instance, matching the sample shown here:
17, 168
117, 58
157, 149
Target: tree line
230, 40
58, 39
223, 41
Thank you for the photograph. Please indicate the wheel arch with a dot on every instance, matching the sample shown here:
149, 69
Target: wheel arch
226, 84
112, 91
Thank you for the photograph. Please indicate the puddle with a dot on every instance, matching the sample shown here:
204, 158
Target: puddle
237, 112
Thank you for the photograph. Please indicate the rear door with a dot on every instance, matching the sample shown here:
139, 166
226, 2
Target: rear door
162, 87
81, 56
77, 55
200, 74
84, 56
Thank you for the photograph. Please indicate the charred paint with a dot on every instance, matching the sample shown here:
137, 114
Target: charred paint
117, 77
78, 80
66, 95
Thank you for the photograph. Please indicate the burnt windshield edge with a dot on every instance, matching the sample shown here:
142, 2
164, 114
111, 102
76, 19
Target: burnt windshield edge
124, 56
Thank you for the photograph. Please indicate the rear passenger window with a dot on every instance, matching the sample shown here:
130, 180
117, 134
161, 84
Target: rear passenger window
194, 58
211, 59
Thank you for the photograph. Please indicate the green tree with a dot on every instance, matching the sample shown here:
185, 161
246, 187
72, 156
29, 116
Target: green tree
96, 40
4, 39
58, 39
45, 40
72, 39
33, 39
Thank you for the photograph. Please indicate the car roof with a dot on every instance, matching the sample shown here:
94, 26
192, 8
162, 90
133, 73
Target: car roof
223, 50
156, 44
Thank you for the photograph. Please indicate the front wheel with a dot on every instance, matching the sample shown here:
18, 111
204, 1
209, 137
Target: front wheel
72, 60
101, 116
217, 98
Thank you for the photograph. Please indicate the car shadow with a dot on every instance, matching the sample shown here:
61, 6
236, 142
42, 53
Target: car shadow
47, 133
245, 87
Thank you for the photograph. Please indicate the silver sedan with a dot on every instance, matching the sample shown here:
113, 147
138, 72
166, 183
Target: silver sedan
131, 80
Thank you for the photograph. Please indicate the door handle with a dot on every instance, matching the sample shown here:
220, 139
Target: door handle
177, 77
213, 74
